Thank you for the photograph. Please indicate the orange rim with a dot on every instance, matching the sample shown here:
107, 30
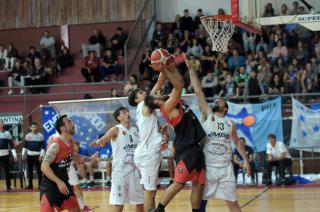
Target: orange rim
219, 17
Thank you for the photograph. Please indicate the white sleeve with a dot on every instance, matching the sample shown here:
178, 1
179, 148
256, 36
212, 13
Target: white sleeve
282, 148
14, 153
24, 151
268, 149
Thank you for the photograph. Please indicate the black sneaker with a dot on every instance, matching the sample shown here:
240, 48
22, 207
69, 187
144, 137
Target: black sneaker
9, 190
91, 184
108, 184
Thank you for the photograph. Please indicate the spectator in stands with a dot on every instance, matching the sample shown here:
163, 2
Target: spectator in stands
48, 48
251, 63
241, 77
132, 84
249, 42
176, 27
235, 61
185, 42
264, 74
187, 22
207, 59
220, 63
33, 53
179, 61
17, 77
13, 55
309, 80
195, 48
87, 96
303, 35
253, 88
291, 80
90, 68
301, 53
209, 83
279, 68
280, 51
295, 8
172, 43
118, 40
238, 160
230, 87
96, 43
268, 11
221, 11
114, 93
158, 35
301, 10
201, 34
38, 77
64, 60
197, 21
284, 9
144, 67
276, 86
3, 58
279, 157
220, 87
109, 66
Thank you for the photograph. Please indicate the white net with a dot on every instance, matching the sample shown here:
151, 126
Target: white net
220, 31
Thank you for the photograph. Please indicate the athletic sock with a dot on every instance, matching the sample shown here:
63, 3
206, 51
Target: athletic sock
203, 205
91, 178
160, 208
81, 202
195, 210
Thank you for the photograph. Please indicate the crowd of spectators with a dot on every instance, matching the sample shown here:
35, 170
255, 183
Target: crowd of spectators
284, 9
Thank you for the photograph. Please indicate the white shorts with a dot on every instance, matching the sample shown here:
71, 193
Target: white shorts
102, 164
148, 166
73, 176
126, 189
220, 183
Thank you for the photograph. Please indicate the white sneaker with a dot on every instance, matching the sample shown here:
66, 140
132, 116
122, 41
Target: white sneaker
21, 91
10, 92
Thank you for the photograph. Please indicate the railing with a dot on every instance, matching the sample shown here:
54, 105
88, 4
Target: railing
137, 37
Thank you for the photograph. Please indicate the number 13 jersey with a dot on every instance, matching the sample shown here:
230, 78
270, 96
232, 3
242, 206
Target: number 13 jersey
218, 151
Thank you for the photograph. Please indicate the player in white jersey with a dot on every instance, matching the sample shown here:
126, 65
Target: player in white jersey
148, 153
221, 131
125, 183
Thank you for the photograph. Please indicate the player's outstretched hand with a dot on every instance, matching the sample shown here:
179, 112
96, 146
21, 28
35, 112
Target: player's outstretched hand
190, 64
95, 144
63, 187
158, 67
246, 166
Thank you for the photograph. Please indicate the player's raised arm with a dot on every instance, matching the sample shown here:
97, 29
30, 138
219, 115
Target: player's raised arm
112, 134
158, 86
203, 105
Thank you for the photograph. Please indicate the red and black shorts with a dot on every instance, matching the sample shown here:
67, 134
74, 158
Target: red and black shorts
68, 204
182, 174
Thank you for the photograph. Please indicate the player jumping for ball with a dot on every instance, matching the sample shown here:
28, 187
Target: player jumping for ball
220, 180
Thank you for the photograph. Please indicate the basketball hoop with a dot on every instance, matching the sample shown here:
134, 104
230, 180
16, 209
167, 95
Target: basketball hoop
220, 29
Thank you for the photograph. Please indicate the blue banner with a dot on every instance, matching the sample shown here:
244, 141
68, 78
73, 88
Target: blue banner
255, 121
49, 117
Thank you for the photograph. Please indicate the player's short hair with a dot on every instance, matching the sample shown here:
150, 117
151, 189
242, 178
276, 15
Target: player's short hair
242, 138
149, 102
132, 97
60, 123
34, 123
117, 112
273, 136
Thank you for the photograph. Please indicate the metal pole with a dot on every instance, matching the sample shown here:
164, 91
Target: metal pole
301, 162
125, 62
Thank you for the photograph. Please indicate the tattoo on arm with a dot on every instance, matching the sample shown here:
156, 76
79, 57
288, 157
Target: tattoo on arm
51, 153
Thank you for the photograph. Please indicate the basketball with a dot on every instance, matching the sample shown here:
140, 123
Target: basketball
162, 56
249, 120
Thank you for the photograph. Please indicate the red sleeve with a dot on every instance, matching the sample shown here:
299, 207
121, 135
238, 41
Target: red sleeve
175, 121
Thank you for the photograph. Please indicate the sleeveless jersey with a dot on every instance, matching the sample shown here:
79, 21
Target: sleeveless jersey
123, 148
219, 132
150, 136
189, 134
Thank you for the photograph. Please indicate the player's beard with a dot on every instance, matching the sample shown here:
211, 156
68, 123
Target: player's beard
72, 131
217, 109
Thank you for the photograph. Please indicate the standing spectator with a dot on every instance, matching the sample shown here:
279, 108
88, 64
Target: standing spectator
230, 87
96, 43
268, 11
284, 9
241, 78
276, 86
3, 58
118, 40
6, 143
309, 80
235, 61
13, 55
64, 60
187, 22
47, 44
131, 84
207, 59
301, 54
17, 77
38, 77
264, 74
279, 157
209, 83
90, 68
158, 35
109, 66
238, 160
185, 42
280, 51
33, 53
197, 21
33, 150
295, 8
195, 49
249, 42
253, 88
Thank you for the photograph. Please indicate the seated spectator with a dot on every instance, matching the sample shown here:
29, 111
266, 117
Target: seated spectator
96, 43
220, 63
144, 66
187, 22
276, 86
48, 48
33, 53
268, 11
3, 58
238, 160
220, 87
38, 77
207, 59
309, 80
197, 21
264, 74
295, 8
284, 9
118, 40
235, 61
279, 68
230, 90
251, 63
280, 51
195, 49
132, 84
185, 42
279, 157
301, 53
241, 78
172, 43
64, 60
201, 34
114, 93
176, 27
90, 68
249, 42
291, 80
109, 66
179, 61
301, 10
209, 83
17, 77
158, 35
221, 11
253, 88
13, 55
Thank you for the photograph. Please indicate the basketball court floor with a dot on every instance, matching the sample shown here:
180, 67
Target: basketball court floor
276, 199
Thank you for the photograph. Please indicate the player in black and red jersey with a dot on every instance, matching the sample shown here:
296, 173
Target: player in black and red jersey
55, 192
187, 144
